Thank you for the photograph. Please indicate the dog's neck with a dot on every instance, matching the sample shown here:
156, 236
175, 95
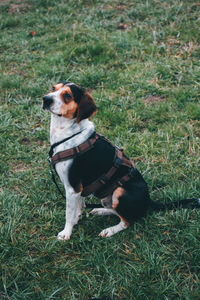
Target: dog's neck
62, 128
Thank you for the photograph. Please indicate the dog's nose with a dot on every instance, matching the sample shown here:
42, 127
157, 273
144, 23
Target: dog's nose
47, 101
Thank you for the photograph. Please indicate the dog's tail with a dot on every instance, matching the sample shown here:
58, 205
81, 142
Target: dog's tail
184, 203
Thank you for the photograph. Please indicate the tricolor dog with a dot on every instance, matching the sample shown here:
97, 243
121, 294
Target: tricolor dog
88, 163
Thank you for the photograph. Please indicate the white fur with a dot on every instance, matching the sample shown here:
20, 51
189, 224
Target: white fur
57, 103
108, 232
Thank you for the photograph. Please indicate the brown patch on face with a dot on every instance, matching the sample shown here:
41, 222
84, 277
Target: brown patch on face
66, 95
69, 107
68, 110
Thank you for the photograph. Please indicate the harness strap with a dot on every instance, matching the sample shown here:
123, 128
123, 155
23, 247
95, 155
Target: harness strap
119, 160
60, 142
116, 184
70, 153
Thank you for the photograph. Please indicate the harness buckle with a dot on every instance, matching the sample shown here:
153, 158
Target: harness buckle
119, 157
76, 150
118, 162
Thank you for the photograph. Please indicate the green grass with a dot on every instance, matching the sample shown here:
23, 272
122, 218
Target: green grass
156, 55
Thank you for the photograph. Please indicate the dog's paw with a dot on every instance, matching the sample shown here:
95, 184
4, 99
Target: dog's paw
106, 233
114, 229
63, 235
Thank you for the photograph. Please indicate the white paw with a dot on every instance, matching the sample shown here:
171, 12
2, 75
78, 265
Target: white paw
64, 235
106, 232
114, 229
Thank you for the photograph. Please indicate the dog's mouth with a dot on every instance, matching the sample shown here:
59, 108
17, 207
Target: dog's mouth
59, 115
52, 112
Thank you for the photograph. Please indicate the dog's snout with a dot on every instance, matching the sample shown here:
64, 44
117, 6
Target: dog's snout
47, 101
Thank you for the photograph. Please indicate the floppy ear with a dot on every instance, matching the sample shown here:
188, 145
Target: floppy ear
86, 107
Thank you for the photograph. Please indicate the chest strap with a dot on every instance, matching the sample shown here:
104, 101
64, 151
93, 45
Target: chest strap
70, 153
119, 160
61, 142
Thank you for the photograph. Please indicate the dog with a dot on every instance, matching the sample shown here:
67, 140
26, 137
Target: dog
126, 195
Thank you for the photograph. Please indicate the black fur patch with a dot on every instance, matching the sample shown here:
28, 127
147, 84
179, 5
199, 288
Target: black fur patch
77, 92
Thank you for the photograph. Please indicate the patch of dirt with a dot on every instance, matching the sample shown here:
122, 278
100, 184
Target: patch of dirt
25, 141
154, 99
18, 7
20, 167
121, 6
39, 142
28, 142
187, 49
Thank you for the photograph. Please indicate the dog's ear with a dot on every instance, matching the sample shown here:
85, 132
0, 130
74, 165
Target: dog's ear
86, 107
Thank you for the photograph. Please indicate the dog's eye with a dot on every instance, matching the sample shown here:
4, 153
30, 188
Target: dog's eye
66, 97
53, 89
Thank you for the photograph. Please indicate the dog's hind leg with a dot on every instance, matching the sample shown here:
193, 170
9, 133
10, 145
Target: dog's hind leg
114, 229
123, 224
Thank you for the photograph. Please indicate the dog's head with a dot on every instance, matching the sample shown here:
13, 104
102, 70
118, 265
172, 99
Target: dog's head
69, 101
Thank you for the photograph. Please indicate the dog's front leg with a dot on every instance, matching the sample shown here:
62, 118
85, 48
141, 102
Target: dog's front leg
74, 204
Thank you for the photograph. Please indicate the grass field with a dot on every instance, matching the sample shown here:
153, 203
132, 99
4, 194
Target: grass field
140, 61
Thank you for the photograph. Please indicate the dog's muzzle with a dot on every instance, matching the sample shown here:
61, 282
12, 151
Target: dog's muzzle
47, 101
